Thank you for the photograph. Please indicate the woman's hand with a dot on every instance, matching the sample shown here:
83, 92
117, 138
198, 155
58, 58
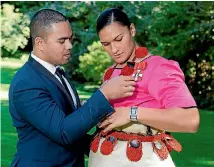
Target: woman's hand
120, 117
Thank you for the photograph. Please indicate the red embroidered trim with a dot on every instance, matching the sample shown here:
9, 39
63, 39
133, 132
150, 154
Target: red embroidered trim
126, 71
141, 52
162, 152
134, 154
166, 143
108, 146
95, 143
108, 74
141, 65
172, 144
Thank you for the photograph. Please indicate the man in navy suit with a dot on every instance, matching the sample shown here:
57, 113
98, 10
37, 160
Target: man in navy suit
51, 125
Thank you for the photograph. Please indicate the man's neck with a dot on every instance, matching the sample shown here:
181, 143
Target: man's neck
41, 56
44, 63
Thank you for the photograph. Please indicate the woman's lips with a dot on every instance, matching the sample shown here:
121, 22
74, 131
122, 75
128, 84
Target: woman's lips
118, 55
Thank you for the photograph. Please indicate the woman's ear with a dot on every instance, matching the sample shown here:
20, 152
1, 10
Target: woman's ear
132, 30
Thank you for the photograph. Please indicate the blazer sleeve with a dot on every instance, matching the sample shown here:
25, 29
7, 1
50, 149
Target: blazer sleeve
37, 107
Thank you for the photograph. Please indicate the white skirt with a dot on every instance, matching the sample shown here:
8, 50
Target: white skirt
118, 157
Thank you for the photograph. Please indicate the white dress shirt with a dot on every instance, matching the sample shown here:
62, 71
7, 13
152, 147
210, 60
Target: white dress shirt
52, 69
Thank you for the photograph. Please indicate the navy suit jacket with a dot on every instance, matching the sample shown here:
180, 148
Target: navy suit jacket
51, 131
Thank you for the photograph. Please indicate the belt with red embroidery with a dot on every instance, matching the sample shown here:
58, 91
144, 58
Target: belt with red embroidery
162, 144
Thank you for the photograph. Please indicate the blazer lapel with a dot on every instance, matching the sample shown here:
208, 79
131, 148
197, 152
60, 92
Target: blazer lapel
50, 76
74, 90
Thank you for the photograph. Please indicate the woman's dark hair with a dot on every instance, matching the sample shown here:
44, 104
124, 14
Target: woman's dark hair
111, 15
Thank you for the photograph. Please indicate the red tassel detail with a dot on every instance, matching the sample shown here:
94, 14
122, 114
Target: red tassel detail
134, 153
95, 144
108, 74
161, 149
173, 144
108, 145
141, 52
126, 71
169, 148
142, 65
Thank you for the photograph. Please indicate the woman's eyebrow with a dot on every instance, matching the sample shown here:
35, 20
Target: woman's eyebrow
117, 36
114, 38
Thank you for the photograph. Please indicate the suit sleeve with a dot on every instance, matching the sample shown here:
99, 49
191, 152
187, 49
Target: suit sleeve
37, 107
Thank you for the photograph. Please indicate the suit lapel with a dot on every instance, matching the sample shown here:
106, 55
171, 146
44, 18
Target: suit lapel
74, 90
50, 76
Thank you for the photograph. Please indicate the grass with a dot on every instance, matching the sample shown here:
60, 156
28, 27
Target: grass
198, 148
8, 135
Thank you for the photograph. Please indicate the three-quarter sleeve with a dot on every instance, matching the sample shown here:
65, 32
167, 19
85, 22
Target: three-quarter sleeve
167, 85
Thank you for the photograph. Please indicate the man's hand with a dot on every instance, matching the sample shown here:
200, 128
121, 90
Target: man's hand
120, 117
118, 87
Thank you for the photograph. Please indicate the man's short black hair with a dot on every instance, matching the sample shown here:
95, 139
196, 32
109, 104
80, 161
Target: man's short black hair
42, 20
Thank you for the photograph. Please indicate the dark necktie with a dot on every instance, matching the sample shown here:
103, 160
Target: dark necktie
60, 72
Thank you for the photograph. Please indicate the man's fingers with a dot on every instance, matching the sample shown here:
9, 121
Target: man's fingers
128, 78
129, 83
129, 89
127, 94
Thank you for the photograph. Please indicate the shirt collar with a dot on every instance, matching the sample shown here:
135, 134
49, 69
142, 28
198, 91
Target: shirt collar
48, 66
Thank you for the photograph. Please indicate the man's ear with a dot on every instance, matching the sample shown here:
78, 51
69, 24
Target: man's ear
132, 30
39, 43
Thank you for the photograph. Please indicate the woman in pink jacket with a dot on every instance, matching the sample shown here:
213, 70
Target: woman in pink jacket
137, 133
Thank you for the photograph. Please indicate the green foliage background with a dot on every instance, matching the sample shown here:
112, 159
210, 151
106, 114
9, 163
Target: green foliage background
183, 31
93, 64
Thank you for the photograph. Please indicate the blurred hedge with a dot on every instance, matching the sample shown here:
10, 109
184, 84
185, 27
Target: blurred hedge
93, 64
